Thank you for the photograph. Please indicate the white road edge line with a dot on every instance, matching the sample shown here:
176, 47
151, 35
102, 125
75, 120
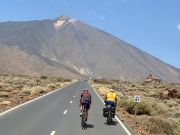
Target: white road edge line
65, 112
53, 133
124, 127
23, 104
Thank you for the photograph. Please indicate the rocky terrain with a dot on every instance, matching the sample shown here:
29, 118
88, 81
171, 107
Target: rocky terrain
158, 113
15, 90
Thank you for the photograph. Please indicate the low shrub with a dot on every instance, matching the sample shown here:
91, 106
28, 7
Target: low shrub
51, 86
67, 80
1, 99
171, 103
121, 101
101, 81
130, 106
178, 101
152, 94
37, 90
1, 85
43, 77
143, 108
26, 90
160, 125
4, 94
58, 85
176, 130
61, 79
161, 108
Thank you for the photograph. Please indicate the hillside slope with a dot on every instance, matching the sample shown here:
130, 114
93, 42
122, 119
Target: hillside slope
79, 48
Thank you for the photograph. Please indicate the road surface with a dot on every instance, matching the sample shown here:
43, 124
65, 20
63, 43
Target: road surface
58, 114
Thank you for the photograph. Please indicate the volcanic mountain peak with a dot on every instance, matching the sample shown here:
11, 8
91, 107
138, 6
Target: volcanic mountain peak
63, 18
68, 47
59, 21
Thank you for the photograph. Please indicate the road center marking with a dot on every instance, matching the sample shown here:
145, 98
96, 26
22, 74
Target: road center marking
74, 96
65, 112
71, 102
53, 133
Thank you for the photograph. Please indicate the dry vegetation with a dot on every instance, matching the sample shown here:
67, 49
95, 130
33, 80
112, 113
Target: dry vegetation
15, 90
158, 113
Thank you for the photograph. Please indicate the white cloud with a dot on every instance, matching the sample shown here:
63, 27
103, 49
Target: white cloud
178, 26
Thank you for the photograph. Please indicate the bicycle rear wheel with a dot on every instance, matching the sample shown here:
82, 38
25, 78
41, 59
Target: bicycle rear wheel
109, 118
84, 118
82, 122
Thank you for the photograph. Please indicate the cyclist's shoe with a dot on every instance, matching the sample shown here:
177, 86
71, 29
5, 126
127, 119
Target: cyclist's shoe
80, 114
86, 119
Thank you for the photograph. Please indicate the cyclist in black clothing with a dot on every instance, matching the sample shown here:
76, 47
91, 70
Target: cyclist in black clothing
85, 99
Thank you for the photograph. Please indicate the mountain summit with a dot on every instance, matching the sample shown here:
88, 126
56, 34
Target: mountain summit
63, 18
71, 48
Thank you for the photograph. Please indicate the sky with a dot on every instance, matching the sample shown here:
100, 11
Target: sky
151, 25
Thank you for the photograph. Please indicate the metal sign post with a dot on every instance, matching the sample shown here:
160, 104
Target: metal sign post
135, 107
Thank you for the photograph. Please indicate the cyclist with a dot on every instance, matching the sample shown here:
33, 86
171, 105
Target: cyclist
111, 99
85, 99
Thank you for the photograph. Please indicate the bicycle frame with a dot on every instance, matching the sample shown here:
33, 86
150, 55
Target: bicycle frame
109, 117
84, 116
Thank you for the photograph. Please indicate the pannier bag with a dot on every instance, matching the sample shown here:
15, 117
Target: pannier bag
105, 112
113, 112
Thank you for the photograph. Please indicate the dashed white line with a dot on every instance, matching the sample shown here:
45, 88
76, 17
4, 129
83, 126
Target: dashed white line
74, 96
53, 133
70, 102
65, 112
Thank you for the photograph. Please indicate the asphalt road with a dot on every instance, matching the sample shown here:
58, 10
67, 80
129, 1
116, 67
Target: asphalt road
58, 114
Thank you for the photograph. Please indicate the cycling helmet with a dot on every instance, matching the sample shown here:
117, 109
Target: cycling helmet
85, 90
111, 90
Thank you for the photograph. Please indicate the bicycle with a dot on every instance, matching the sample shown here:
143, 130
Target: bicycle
84, 117
109, 115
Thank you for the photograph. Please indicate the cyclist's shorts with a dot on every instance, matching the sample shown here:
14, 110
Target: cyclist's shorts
87, 105
110, 103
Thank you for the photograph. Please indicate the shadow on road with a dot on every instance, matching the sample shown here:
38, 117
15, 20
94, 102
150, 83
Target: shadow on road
89, 126
113, 123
